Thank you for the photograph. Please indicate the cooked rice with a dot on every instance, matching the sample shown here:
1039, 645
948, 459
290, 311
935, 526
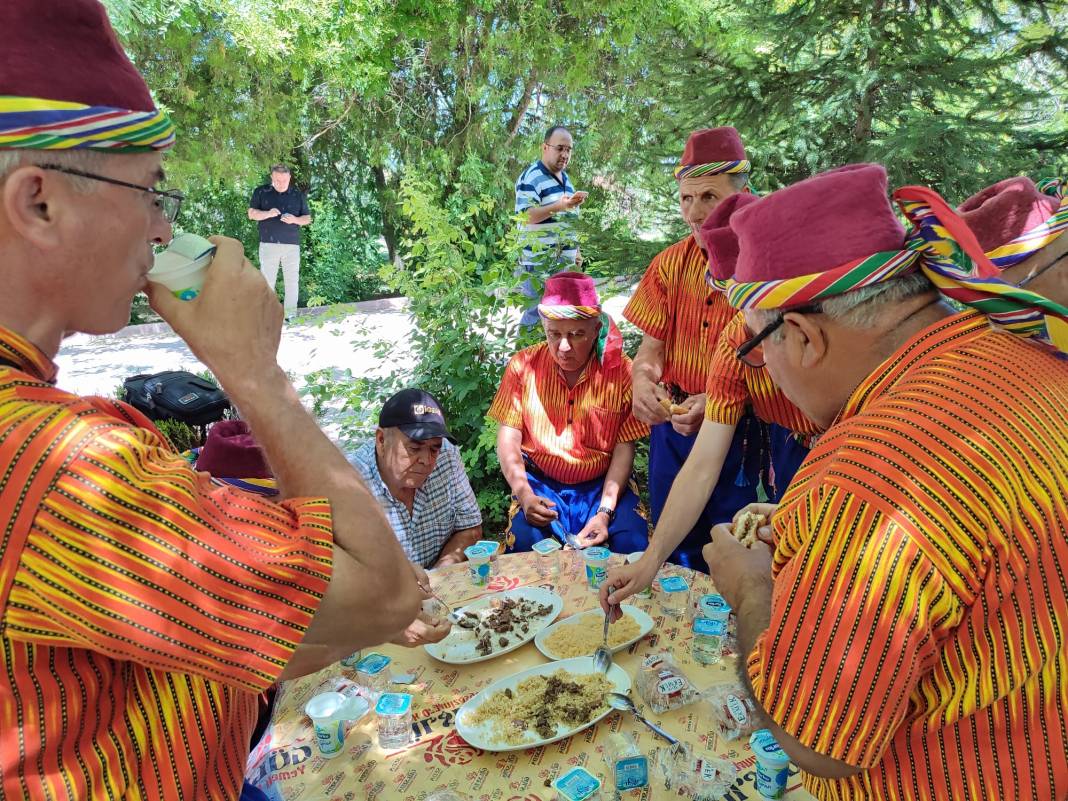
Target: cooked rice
583, 637
540, 704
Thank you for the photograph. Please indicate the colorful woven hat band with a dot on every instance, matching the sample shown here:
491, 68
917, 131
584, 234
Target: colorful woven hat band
941, 245
35, 123
712, 168
1030, 242
568, 312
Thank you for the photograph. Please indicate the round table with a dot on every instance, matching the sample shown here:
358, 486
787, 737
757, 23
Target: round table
287, 765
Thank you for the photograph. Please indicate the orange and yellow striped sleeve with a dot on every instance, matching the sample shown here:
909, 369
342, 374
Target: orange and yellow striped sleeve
507, 406
650, 309
134, 555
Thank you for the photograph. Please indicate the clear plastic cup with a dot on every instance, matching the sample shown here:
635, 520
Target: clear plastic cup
494, 548
578, 784
373, 675
628, 767
330, 713
674, 595
478, 564
394, 712
772, 764
633, 559
596, 566
183, 266
548, 561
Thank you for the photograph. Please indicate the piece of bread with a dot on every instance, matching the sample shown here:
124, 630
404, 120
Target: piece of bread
676, 409
745, 528
666, 403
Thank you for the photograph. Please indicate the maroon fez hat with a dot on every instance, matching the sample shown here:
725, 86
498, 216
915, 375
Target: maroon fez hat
1000, 213
721, 243
570, 289
231, 452
816, 225
713, 144
66, 50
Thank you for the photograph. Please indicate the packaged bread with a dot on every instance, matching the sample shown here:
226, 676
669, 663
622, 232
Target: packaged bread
745, 528
733, 710
662, 685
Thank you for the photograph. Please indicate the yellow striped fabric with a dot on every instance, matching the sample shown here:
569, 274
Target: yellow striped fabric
920, 612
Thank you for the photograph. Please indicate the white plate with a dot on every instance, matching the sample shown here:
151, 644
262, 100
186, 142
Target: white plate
645, 625
481, 736
458, 650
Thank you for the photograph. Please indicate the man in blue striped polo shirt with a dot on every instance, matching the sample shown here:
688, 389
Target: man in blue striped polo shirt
545, 196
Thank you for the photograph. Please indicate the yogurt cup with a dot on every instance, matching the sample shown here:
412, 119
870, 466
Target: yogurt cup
714, 607
329, 713
772, 764
596, 566
183, 266
632, 559
478, 559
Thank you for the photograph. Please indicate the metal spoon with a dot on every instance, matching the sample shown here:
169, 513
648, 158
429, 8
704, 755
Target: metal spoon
602, 657
624, 704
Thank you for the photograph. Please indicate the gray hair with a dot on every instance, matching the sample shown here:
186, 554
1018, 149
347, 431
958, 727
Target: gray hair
81, 159
861, 308
739, 180
280, 168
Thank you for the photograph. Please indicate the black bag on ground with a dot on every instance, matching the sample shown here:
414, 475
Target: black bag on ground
176, 395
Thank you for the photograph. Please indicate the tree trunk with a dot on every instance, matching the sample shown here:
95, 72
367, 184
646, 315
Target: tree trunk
385, 204
866, 105
521, 110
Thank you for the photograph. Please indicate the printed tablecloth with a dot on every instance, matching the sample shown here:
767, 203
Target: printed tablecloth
286, 764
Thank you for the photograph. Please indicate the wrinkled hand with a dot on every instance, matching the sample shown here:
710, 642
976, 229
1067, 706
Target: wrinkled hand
423, 630
234, 324
423, 580
689, 422
647, 405
732, 565
288, 218
594, 532
538, 511
765, 533
624, 581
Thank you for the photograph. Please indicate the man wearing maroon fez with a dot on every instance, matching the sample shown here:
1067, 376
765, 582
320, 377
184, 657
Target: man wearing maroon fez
145, 609
681, 317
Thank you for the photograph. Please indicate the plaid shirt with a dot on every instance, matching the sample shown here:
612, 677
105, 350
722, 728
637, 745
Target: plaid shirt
444, 505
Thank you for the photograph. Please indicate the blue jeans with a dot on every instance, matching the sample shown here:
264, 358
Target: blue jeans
575, 505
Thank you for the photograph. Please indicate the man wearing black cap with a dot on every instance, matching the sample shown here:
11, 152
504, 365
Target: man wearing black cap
414, 469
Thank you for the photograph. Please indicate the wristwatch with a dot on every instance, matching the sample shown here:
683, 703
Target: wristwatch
605, 510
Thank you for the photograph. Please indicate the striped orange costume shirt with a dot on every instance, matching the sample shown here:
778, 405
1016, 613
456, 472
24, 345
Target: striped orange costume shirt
569, 434
675, 304
919, 623
734, 385
143, 609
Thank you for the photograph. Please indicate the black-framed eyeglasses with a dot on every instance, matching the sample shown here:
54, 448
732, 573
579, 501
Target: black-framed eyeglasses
751, 351
168, 201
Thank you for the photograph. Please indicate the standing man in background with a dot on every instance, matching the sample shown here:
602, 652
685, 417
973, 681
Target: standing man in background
280, 209
545, 197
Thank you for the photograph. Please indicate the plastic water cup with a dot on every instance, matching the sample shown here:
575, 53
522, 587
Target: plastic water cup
578, 784
494, 548
478, 559
596, 566
675, 593
772, 764
351, 660
394, 712
373, 674
632, 559
183, 266
548, 560
330, 712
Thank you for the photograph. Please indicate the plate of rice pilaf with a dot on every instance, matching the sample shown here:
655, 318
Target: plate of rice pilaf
540, 705
582, 633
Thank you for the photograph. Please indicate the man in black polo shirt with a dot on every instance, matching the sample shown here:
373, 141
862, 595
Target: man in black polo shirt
281, 210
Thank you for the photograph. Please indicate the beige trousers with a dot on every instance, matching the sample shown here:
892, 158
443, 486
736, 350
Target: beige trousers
273, 255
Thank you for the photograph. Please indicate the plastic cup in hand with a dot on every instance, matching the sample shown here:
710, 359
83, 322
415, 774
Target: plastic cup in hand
329, 713
183, 266
772, 764
596, 566
478, 563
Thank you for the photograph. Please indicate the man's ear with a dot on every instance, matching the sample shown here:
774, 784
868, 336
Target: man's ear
30, 198
806, 341
380, 437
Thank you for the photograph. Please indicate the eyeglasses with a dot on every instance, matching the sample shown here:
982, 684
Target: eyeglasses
561, 148
751, 351
167, 201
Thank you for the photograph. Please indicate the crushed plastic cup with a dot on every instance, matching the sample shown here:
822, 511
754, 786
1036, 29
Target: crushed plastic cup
596, 566
329, 713
183, 266
478, 563
772, 764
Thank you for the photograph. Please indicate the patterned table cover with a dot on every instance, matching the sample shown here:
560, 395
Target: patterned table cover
287, 766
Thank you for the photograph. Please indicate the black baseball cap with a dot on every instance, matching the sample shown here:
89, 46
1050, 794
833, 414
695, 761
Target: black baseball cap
417, 413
